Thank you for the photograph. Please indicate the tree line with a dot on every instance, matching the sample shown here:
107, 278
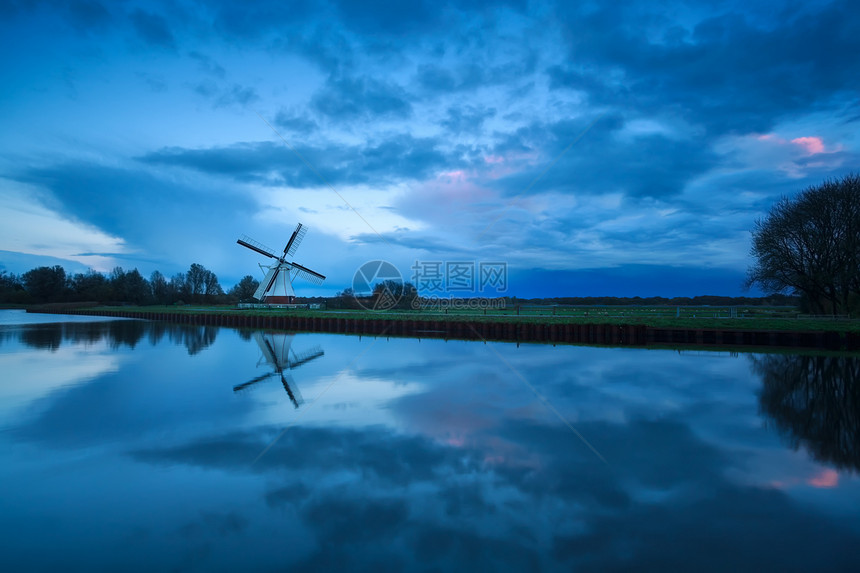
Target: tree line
198, 285
703, 300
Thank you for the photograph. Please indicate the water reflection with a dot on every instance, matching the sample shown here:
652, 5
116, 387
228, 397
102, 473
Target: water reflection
277, 351
412, 456
814, 402
116, 333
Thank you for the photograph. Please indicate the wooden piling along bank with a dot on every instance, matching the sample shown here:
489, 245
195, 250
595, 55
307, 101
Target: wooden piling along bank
600, 334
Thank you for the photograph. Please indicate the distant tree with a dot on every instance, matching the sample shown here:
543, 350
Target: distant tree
9, 281
129, 286
810, 244
159, 288
393, 294
178, 289
202, 284
11, 288
91, 286
344, 299
137, 288
195, 278
211, 287
46, 283
244, 289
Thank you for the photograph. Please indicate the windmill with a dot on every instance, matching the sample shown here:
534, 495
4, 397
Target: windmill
278, 353
280, 275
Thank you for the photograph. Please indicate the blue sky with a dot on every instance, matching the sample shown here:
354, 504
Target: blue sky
598, 148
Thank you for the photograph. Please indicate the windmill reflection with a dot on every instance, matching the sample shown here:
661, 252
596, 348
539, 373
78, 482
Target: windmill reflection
278, 353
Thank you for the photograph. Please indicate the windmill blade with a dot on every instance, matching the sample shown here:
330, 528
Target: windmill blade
295, 240
271, 282
266, 283
245, 385
307, 274
292, 390
305, 357
250, 243
266, 348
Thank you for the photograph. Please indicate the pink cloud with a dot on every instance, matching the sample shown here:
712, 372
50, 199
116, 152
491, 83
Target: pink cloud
812, 145
453, 176
824, 479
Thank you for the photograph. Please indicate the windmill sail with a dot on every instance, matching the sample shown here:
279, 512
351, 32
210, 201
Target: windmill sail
307, 274
295, 239
266, 283
246, 241
277, 285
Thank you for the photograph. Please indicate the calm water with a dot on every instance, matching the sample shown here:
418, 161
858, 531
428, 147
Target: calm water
136, 446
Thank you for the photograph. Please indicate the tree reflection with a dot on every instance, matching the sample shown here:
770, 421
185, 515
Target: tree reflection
43, 337
193, 338
118, 333
814, 401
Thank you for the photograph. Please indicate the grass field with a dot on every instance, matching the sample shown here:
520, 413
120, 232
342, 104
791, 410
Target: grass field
748, 318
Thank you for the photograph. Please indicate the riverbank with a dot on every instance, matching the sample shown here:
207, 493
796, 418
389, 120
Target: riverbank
800, 334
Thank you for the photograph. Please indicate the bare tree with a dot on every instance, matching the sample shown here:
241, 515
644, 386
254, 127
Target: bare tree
810, 244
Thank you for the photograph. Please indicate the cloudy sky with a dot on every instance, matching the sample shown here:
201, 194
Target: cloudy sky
597, 148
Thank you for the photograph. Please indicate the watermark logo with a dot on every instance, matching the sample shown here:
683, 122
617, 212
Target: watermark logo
443, 285
438, 303
485, 277
377, 285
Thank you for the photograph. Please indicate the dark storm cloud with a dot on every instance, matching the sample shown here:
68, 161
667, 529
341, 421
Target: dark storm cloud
153, 29
468, 118
325, 45
412, 241
237, 94
602, 160
83, 15
471, 75
223, 96
213, 524
295, 122
728, 74
436, 78
395, 158
207, 64
389, 17
149, 212
386, 19
245, 162
252, 20
363, 97
86, 15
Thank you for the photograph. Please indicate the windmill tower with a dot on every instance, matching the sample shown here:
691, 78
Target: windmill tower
277, 286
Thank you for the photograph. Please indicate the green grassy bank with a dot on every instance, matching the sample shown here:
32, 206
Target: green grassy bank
656, 318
